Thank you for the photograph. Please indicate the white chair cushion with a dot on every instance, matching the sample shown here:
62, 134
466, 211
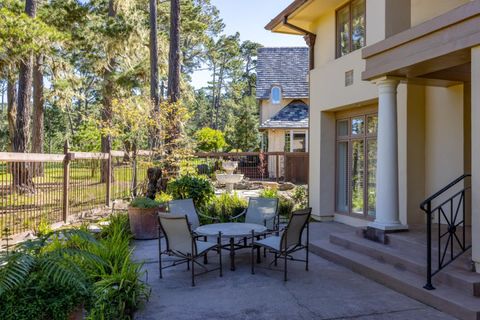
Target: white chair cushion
203, 246
272, 242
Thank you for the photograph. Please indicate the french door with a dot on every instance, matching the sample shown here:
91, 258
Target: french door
356, 162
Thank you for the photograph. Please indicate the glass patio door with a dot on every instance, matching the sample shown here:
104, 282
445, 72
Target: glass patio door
356, 162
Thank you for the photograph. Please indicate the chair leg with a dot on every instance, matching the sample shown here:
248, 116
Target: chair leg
285, 267
306, 258
193, 272
160, 257
275, 261
205, 257
258, 253
252, 254
264, 249
219, 249
188, 265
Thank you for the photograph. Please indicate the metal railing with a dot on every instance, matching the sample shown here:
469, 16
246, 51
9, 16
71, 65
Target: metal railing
49, 188
450, 215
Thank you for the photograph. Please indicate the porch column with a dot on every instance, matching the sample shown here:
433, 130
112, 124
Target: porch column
475, 140
387, 207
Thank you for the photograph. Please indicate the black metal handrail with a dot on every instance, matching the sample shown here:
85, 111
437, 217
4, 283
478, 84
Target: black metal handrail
452, 225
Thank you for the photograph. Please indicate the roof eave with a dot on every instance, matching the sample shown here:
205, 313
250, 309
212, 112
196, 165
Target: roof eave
294, 6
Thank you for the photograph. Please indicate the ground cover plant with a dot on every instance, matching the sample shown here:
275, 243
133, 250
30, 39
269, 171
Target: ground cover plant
55, 274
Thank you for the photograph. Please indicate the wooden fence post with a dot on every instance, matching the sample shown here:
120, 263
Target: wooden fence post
277, 167
135, 171
66, 181
108, 195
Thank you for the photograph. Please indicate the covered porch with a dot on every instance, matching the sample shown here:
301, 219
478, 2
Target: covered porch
438, 65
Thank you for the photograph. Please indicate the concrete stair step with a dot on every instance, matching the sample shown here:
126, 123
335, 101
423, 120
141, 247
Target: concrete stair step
407, 258
444, 298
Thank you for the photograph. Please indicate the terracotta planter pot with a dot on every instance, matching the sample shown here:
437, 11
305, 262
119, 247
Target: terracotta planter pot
76, 314
144, 222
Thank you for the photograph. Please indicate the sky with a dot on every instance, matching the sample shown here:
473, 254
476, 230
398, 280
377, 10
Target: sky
249, 17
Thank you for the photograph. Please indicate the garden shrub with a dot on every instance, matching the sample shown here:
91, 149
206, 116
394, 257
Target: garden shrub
198, 188
226, 205
49, 277
145, 203
300, 197
209, 140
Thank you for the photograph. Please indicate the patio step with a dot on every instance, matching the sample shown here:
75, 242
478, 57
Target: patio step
412, 259
445, 298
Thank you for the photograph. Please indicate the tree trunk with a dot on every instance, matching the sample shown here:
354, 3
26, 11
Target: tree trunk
38, 113
22, 177
154, 97
174, 53
11, 110
106, 141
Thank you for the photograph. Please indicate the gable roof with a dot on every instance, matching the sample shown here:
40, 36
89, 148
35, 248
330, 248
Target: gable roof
286, 67
294, 115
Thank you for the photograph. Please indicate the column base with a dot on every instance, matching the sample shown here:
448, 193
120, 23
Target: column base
476, 266
388, 227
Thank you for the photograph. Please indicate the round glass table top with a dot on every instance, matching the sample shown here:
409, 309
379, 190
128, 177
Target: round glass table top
230, 229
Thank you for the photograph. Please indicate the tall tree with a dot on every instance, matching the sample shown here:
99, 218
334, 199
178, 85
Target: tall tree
108, 87
23, 176
174, 52
154, 95
11, 109
38, 111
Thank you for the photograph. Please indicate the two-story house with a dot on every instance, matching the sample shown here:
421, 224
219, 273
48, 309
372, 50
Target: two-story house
395, 119
282, 94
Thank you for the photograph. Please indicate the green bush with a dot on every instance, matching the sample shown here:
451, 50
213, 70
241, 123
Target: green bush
49, 277
209, 140
269, 193
300, 197
226, 205
145, 203
198, 188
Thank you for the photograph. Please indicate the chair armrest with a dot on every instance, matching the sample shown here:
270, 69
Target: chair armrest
208, 217
239, 215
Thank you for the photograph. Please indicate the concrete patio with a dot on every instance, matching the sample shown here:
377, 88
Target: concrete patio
327, 291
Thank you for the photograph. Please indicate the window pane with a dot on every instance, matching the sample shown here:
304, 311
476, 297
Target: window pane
358, 24
276, 95
342, 128
298, 142
287, 142
358, 125
343, 31
342, 177
372, 172
358, 168
372, 124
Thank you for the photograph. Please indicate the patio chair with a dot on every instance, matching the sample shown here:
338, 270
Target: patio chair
182, 243
288, 242
186, 207
262, 211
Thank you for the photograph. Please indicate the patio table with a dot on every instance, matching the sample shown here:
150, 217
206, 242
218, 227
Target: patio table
231, 230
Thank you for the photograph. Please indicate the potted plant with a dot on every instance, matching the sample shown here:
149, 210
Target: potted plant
142, 214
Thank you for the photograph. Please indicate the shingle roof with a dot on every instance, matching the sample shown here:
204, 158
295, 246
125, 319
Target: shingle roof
293, 115
286, 67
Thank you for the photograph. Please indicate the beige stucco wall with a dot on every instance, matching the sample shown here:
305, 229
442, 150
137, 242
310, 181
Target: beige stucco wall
430, 119
423, 10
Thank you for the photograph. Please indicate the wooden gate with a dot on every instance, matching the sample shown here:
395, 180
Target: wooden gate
296, 167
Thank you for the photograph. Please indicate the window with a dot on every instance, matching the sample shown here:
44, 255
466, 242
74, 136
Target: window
299, 142
287, 142
276, 95
265, 141
356, 161
350, 29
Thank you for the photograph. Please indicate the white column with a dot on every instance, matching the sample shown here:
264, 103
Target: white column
475, 122
387, 207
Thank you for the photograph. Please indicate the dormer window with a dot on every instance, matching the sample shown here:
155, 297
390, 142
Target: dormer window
276, 95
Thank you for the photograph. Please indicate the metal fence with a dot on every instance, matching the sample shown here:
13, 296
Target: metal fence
262, 166
48, 188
